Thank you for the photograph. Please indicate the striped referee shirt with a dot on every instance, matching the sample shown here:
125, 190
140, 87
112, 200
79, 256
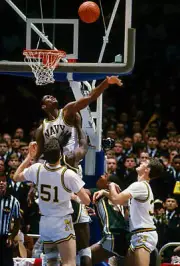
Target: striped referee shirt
9, 208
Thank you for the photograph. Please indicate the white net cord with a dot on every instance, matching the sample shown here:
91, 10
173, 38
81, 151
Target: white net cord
43, 64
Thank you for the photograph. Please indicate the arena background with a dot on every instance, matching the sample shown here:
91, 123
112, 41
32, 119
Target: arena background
151, 88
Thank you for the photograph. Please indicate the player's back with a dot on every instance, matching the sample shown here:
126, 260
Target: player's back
54, 196
111, 216
141, 211
54, 128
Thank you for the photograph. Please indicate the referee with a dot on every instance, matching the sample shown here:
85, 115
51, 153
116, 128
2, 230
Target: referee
9, 208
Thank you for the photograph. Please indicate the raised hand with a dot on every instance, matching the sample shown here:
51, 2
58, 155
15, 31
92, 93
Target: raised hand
113, 185
32, 149
9, 242
97, 195
114, 80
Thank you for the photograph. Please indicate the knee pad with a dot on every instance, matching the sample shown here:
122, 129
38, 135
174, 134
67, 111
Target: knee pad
85, 252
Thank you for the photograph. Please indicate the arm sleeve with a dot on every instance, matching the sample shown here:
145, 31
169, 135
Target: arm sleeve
72, 181
31, 173
16, 209
138, 190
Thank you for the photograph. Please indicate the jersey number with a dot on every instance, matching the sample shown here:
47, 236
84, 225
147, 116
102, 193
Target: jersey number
151, 213
48, 192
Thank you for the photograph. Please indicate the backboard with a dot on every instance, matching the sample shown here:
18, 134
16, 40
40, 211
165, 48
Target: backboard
56, 25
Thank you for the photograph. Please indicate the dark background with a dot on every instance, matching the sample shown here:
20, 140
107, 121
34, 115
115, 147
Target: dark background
155, 79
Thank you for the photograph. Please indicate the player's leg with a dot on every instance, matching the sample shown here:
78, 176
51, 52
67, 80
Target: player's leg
143, 244
47, 235
120, 248
99, 254
67, 249
52, 253
82, 231
81, 222
129, 260
142, 257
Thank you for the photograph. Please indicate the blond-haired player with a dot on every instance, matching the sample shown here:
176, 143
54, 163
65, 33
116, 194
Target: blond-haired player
55, 185
139, 194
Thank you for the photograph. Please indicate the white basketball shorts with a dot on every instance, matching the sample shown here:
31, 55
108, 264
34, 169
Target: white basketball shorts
146, 240
83, 216
56, 229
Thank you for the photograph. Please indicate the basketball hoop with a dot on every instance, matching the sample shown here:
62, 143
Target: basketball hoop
43, 63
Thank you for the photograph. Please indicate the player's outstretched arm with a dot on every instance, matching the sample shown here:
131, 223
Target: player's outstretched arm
40, 142
80, 151
73, 107
18, 175
116, 197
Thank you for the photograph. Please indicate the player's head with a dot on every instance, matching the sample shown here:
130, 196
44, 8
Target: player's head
3, 185
52, 151
49, 103
151, 168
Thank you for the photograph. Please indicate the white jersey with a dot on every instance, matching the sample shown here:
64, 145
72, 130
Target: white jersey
53, 128
55, 186
78, 170
141, 206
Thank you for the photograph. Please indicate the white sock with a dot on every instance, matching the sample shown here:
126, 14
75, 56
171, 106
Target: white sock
85, 252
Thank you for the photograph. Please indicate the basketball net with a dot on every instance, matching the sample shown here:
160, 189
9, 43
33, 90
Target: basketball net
43, 64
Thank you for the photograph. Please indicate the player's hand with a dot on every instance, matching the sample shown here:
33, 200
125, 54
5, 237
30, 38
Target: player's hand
177, 250
114, 80
97, 195
90, 211
113, 185
19, 237
32, 149
9, 242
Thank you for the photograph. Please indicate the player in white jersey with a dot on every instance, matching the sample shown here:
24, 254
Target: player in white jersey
81, 219
139, 194
59, 121
55, 185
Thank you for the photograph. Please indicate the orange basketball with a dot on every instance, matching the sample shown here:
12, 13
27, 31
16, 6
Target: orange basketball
89, 12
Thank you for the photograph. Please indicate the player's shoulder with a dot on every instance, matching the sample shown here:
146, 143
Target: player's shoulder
135, 184
138, 185
36, 166
40, 128
69, 172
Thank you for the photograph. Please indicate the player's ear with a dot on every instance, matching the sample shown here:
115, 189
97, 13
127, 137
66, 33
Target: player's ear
147, 170
43, 106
